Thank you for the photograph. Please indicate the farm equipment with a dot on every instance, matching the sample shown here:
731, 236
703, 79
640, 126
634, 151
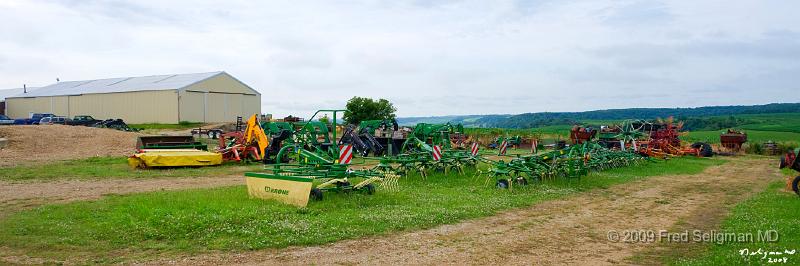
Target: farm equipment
624, 136
385, 132
659, 139
171, 151
247, 145
572, 162
665, 141
317, 167
445, 135
579, 134
363, 143
169, 142
117, 124
790, 160
733, 139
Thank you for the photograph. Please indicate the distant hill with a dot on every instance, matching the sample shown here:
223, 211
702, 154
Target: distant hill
464, 119
532, 120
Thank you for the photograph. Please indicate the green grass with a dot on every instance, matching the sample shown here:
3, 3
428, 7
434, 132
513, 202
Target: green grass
783, 122
772, 209
226, 218
181, 125
112, 167
752, 136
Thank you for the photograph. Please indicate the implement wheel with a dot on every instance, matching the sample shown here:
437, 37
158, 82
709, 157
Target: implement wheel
316, 194
705, 149
795, 184
521, 181
369, 189
502, 184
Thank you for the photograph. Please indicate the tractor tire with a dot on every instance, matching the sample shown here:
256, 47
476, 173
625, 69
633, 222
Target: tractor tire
705, 149
502, 184
369, 189
783, 163
795, 184
316, 194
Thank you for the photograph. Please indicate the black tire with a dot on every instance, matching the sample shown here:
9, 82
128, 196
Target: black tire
344, 186
316, 194
502, 184
369, 189
783, 162
705, 149
795, 184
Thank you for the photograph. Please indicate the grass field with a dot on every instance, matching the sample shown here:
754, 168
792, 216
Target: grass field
772, 209
226, 218
752, 136
782, 122
112, 167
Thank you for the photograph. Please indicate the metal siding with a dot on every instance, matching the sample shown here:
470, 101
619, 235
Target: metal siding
133, 107
191, 106
215, 109
22, 107
251, 104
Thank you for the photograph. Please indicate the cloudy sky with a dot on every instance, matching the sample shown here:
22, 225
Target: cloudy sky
428, 57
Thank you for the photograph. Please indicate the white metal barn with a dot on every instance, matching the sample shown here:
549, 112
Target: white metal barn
199, 97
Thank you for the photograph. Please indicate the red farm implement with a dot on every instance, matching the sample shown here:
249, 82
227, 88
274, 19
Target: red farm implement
250, 144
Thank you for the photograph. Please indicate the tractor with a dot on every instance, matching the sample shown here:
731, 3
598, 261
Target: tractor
790, 160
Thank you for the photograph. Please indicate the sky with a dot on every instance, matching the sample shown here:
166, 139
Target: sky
427, 57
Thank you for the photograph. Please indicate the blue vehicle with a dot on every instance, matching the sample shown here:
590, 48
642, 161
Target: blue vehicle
33, 120
4, 120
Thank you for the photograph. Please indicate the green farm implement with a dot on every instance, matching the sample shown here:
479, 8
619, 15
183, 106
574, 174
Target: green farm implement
317, 165
572, 162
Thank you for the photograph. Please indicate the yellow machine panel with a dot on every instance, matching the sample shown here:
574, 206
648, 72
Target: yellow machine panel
174, 158
292, 190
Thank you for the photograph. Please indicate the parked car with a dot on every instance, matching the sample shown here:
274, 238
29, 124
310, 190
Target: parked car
53, 120
83, 120
4, 120
33, 120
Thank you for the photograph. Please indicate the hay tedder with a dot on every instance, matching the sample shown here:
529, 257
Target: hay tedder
654, 139
790, 160
307, 164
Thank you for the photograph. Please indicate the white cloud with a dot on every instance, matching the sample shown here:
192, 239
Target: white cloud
429, 57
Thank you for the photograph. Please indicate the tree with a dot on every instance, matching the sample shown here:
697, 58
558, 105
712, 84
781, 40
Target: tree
360, 109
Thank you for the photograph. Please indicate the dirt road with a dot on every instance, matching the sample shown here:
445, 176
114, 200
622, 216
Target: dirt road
573, 230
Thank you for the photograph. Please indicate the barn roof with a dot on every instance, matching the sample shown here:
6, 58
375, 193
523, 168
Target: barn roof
126, 84
14, 92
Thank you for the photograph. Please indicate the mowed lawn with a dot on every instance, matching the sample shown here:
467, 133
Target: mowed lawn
114, 167
198, 220
773, 209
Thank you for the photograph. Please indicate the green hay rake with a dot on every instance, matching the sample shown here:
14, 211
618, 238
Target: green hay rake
571, 162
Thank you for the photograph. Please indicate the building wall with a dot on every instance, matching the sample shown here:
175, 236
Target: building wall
218, 99
212, 107
2, 108
133, 107
221, 83
22, 107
